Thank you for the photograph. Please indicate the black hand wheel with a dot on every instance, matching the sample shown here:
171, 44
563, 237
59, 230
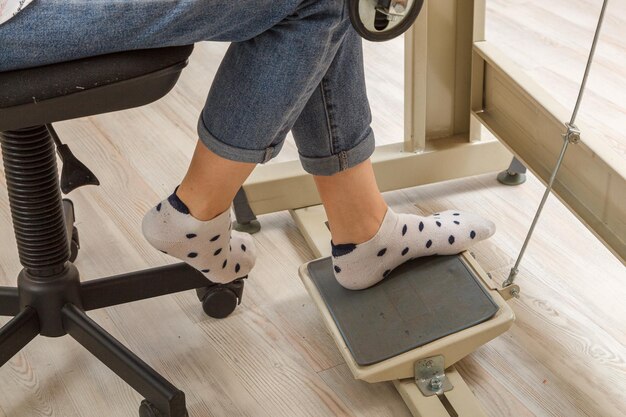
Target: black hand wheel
220, 300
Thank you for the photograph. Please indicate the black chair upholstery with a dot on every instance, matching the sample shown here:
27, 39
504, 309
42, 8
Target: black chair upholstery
83, 87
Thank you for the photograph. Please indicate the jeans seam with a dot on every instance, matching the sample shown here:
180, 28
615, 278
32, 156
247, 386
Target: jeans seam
329, 119
343, 160
332, 164
234, 153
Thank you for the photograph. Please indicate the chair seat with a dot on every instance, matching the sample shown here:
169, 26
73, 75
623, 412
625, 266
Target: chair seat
43, 83
88, 86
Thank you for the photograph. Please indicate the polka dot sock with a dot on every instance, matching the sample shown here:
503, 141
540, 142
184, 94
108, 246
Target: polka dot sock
402, 237
211, 247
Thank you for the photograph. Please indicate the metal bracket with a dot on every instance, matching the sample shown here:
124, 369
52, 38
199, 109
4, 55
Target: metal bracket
512, 291
572, 134
430, 376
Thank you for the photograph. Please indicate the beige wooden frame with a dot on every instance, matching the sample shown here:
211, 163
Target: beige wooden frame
592, 179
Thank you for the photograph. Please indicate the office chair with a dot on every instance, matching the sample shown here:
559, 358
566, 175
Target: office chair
50, 299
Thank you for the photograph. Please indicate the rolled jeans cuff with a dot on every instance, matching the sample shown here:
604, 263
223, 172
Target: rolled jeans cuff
330, 165
233, 153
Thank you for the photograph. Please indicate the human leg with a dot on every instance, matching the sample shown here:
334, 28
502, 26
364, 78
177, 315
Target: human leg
369, 239
194, 223
261, 87
211, 183
353, 204
335, 142
280, 52
49, 31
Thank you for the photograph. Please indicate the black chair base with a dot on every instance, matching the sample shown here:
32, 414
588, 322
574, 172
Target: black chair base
51, 301
69, 318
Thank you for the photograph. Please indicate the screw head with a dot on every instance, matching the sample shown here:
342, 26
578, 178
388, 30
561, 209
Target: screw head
572, 134
435, 384
574, 137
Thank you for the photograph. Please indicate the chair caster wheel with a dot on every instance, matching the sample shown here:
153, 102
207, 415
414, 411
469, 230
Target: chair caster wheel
251, 227
72, 232
74, 244
220, 300
147, 409
511, 178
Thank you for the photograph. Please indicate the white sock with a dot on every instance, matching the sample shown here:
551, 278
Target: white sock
402, 237
211, 247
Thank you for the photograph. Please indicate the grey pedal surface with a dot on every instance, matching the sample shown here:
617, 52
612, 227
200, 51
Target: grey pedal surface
420, 301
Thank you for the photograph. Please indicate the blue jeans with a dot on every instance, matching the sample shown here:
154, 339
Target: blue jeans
292, 65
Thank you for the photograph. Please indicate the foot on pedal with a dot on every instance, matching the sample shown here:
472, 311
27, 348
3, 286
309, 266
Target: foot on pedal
402, 237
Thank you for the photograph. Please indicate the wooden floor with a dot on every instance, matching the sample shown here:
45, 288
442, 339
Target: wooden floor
550, 40
565, 356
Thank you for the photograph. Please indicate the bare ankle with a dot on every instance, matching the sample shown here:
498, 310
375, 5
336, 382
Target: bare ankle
200, 206
358, 229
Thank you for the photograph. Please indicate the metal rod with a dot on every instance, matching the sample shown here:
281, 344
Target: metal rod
515, 269
572, 135
583, 84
